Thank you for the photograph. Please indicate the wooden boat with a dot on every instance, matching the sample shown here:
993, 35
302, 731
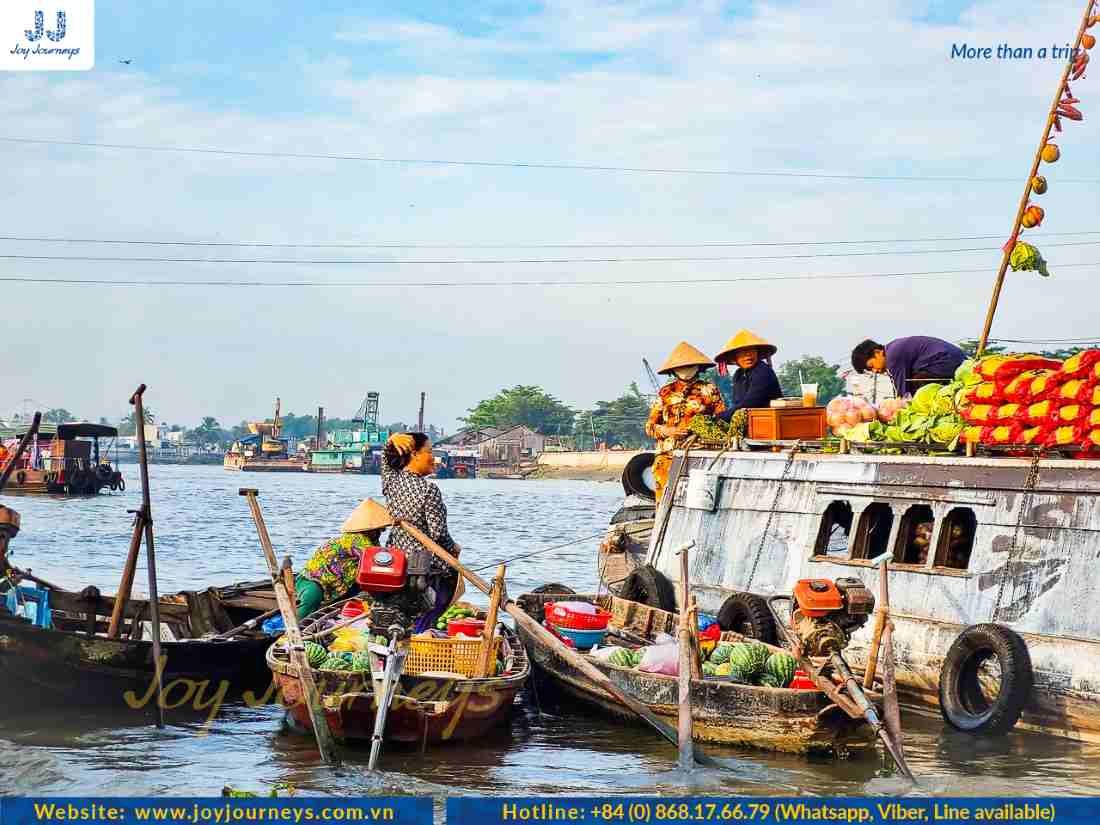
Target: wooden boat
72, 662
62, 461
723, 712
428, 707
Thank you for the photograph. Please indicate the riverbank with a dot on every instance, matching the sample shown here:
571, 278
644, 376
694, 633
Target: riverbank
578, 465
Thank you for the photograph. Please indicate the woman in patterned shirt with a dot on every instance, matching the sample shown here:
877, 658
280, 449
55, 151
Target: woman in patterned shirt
679, 401
407, 460
330, 573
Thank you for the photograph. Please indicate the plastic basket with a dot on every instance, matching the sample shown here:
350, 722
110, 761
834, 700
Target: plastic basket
583, 639
450, 655
564, 617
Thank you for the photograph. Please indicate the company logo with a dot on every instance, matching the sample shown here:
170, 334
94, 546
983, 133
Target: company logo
45, 37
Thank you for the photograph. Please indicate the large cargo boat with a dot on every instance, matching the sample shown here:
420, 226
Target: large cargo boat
264, 449
65, 459
1009, 551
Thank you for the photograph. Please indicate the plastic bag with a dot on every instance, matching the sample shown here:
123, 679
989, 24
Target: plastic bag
1001, 369
664, 639
1081, 365
661, 659
579, 607
1069, 414
603, 653
1039, 414
1023, 388
1077, 389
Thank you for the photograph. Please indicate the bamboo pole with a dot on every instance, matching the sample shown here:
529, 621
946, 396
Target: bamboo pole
533, 627
683, 717
882, 616
999, 283
485, 651
144, 520
296, 647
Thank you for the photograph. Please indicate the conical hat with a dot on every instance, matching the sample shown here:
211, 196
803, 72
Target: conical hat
743, 340
370, 515
685, 355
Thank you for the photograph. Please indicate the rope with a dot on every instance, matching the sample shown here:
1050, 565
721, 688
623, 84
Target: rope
771, 513
1025, 505
536, 552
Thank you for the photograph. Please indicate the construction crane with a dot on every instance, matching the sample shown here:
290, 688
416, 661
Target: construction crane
652, 377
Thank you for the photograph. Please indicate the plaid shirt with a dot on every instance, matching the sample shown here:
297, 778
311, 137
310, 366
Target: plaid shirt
418, 501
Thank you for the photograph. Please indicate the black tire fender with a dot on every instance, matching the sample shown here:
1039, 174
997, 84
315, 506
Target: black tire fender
634, 476
121, 484
749, 615
21, 477
648, 585
555, 587
962, 703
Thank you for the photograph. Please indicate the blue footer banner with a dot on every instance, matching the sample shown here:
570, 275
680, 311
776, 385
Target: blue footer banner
472, 810
405, 810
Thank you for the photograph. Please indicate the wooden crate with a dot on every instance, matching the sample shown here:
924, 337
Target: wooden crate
641, 619
773, 424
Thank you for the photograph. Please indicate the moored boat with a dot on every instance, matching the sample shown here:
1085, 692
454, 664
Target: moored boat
60, 655
429, 706
65, 459
723, 712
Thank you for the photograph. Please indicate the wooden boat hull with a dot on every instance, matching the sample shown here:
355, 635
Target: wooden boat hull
723, 713
34, 483
425, 709
52, 667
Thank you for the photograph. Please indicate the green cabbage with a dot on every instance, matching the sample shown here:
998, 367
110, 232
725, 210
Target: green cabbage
946, 430
925, 398
966, 374
859, 433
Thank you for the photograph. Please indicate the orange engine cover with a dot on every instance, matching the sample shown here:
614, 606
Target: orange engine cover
817, 597
381, 570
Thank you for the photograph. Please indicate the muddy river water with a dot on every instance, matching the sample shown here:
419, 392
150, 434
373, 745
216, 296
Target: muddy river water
204, 536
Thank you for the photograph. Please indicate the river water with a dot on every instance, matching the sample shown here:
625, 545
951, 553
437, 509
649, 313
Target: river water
204, 536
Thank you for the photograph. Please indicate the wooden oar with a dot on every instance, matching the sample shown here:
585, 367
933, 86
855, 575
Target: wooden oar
249, 625
536, 629
881, 617
891, 713
295, 646
485, 659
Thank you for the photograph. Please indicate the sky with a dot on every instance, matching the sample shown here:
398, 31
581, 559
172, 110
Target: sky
716, 92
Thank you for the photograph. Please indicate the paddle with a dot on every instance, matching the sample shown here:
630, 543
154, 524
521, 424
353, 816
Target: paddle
536, 629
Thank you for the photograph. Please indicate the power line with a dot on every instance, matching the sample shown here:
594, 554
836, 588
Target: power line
579, 167
506, 261
511, 283
416, 245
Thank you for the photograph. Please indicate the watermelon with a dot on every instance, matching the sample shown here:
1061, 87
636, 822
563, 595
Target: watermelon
636, 656
360, 662
721, 653
621, 658
315, 654
768, 680
722, 669
335, 663
710, 669
780, 666
749, 658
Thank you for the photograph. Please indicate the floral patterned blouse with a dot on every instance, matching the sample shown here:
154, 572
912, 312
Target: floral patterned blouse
677, 403
335, 564
418, 501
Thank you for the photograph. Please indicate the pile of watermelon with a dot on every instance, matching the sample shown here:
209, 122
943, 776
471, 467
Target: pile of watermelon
750, 663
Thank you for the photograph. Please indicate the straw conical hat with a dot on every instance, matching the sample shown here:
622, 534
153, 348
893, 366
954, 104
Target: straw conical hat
743, 340
685, 355
370, 515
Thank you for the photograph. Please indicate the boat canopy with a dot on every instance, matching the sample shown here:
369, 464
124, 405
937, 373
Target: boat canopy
67, 432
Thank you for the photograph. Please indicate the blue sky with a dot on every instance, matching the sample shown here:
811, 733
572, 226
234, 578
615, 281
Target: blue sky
781, 86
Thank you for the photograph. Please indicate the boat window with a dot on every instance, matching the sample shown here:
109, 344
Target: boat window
873, 533
915, 535
836, 526
957, 539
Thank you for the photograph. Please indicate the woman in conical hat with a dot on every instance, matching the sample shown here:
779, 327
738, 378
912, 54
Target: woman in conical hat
755, 383
330, 573
679, 401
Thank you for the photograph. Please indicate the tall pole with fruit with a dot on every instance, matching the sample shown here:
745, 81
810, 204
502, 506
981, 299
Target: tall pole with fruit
1017, 254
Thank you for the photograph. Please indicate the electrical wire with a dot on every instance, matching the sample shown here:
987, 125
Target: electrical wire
579, 167
515, 283
604, 245
507, 261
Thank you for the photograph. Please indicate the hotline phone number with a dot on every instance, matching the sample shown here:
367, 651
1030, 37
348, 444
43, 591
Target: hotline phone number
646, 811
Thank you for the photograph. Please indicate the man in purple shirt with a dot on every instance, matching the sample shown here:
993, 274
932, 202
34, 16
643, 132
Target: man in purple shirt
911, 362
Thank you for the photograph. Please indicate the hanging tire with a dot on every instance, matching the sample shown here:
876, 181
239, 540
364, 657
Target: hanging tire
749, 615
554, 587
964, 703
647, 585
21, 477
121, 484
634, 478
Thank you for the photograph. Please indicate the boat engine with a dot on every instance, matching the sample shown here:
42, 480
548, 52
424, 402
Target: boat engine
826, 613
